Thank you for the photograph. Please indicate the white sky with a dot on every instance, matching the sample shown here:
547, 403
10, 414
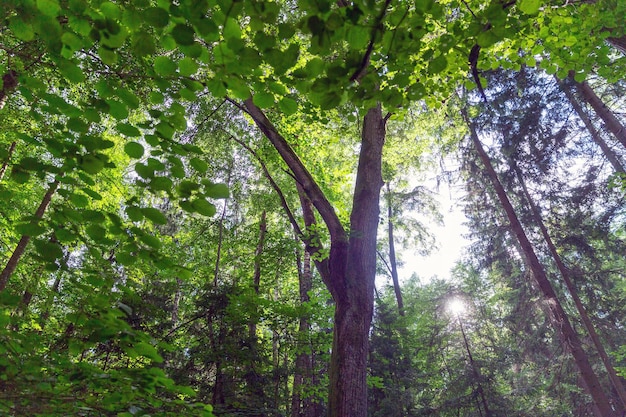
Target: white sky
450, 240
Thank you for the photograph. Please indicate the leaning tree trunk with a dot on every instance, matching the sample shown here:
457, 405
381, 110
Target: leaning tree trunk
558, 317
611, 121
21, 245
615, 381
350, 269
593, 132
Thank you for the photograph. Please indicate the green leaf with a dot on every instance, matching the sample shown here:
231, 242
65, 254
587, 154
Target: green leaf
156, 16
217, 191
71, 71
161, 184
358, 37
48, 251
187, 66
117, 109
49, 7
203, 207
125, 258
91, 193
148, 351
134, 213
154, 215
79, 200
96, 232
151, 241
288, 106
438, 64
143, 44
183, 34
263, 99
128, 130
21, 29
107, 55
134, 150
529, 6
199, 165
30, 229
77, 125
232, 29
92, 164
110, 10
164, 66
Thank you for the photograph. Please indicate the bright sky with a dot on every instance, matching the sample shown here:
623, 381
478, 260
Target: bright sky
450, 240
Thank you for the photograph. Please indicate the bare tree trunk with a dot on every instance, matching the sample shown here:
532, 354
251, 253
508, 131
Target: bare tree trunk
611, 122
5, 165
558, 316
615, 381
220, 242
392, 255
593, 132
255, 388
176, 303
350, 269
21, 245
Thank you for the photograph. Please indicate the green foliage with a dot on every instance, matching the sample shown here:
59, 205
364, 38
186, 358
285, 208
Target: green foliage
131, 289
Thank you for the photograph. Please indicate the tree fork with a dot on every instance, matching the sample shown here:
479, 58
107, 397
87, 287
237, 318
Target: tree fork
558, 316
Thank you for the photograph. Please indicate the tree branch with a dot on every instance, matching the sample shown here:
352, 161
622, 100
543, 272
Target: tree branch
302, 175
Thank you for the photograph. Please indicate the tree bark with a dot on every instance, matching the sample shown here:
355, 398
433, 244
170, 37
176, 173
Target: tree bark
593, 132
354, 283
255, 388
611, 122
558, 316
303, 376
9, 82
21, 245
392, 255
352, 260
615, 381
5, 164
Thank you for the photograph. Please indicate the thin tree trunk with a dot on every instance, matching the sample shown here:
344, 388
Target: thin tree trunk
220, 242
255, 388
593, 132
392, 255
6, 162
176, 303
558, 316
615, 381
611, 122
476, 373
256, 279
21, 245
304, 361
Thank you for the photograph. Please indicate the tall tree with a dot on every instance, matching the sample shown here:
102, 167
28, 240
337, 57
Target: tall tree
558, 316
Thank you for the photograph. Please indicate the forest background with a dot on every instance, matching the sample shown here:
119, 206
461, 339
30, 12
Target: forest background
197, 198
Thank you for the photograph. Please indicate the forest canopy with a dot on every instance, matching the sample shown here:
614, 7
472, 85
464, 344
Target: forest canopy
205, 205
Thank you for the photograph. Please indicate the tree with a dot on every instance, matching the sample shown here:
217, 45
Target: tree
117, 73
558, 316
